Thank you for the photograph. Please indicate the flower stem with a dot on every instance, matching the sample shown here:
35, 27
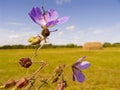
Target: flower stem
36, 51
32, 78
35, 74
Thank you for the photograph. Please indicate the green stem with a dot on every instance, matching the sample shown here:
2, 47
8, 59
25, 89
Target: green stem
36, 72
36, 51
34, 76
27, 71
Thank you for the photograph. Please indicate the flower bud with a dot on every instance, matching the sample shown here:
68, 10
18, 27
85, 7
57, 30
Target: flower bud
21, 83
25, 62
9, 83
60, 86
34, 40
31, 39
45, 32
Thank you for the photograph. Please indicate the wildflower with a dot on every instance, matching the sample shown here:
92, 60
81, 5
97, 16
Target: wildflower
77, 69
46, 19
25, 62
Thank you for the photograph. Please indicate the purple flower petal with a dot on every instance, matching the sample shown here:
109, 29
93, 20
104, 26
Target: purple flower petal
46, 19
41, 22
36, 13
83, 65
63, 20
52, 23
36, 16
51, 15
79, 76
32, 18
79, 61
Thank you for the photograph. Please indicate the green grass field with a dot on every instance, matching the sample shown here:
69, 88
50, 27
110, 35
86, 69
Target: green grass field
103, 74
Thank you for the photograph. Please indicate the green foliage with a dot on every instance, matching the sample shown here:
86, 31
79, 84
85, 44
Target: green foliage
107, 44
33, 46
103, 73
71, 45
17, 47
116, 45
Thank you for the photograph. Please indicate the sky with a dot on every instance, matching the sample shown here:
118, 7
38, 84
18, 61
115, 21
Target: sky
90, 21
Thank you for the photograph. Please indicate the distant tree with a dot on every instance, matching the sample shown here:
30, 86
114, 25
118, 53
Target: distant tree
48, 46
71, 45
107, 44
5, 47
116, 44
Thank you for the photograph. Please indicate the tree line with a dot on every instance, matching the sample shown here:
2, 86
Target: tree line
34, 46
106, 44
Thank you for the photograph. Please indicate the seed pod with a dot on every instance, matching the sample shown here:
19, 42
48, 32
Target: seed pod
55, 80
25, 62
45, 32
9, 83
21, 83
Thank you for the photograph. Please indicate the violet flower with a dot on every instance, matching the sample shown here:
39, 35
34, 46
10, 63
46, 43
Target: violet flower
77, 69
46, 19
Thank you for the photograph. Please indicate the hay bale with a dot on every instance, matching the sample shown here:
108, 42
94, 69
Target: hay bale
92, 46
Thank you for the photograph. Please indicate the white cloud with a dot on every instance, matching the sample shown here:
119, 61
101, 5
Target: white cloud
62, 1
60, 33
14, 36
72, 27
97, 31
77, 40
21, 35
94, 30
14, 23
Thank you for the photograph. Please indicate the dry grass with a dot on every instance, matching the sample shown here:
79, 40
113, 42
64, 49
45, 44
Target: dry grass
93, 46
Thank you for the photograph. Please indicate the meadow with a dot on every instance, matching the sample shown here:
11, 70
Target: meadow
103, 74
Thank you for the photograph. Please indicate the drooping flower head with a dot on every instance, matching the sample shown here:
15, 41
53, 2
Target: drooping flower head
77, 68
46, 19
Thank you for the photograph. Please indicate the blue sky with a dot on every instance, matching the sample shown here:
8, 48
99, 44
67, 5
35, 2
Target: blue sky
90, 20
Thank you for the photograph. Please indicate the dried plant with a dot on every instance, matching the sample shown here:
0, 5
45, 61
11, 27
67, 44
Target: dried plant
45, 19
